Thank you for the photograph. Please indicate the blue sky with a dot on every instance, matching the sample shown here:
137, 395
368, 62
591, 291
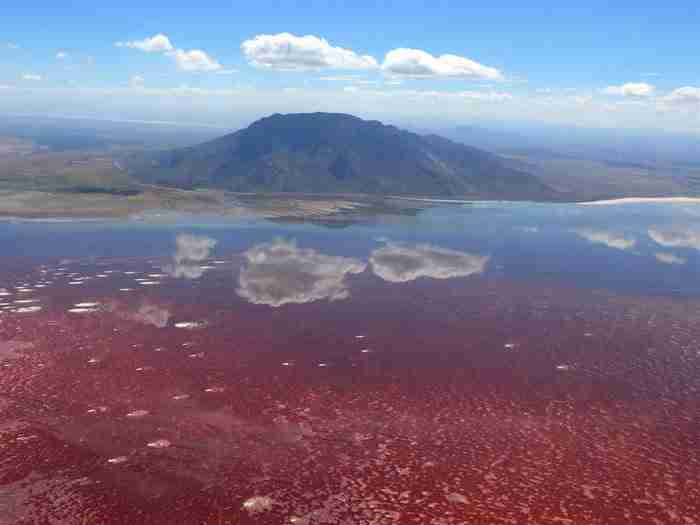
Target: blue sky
224, 63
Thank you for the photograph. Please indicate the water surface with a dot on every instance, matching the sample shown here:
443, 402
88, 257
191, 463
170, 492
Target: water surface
477, 363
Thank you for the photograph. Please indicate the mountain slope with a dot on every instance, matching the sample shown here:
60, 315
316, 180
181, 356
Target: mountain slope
337, 153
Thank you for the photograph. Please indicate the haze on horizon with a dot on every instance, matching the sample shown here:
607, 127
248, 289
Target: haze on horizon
623, 66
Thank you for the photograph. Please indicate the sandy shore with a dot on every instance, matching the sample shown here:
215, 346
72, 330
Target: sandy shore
644, 200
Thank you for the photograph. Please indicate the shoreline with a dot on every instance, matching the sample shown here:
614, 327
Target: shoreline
642, 200
43, 206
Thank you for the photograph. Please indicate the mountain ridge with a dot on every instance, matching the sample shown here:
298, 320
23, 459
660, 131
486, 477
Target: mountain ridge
338, 153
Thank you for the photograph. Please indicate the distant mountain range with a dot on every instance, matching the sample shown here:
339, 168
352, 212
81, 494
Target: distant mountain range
340, 154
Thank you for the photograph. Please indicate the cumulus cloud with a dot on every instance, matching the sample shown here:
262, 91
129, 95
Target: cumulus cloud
31, 76
288, 52
420, 64
670, 258
609, 239
631, 89
676, 237
158, 43
194, 60
684, 95
191, 250
279, 273
61, 55
398, 263
137, 80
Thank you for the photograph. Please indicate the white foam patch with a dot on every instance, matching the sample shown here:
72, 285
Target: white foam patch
75, 283
149, 283
117, 460
86, 305
126, 289
214, 390
25, 301
181, 397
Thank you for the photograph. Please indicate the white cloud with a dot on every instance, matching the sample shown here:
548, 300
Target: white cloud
670, 258
609, 239
684, 95
339, 78
485, 95
288, 52
631, 89
398, 263
137, 80
12, 45
676, 237
61, 55
279, 273
194, 60
31, 76
156, 44
420, 64
229, 71
191, 249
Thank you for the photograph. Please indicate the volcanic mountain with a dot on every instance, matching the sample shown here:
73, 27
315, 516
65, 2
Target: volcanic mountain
338, 153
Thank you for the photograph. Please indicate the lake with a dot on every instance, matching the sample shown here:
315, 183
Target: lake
471, 363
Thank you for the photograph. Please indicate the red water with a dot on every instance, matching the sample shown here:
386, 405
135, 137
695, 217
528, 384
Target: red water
476, 401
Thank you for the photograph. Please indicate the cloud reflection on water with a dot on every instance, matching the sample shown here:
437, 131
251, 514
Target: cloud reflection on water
676, 237
607, 238
191, 249
670, 258
279, 273
398, 263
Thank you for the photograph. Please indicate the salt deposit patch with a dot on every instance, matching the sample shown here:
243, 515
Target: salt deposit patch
27, 309
137, 413
159, 443
190, 325
258, 504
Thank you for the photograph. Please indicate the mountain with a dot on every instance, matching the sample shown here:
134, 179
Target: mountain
338, 153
